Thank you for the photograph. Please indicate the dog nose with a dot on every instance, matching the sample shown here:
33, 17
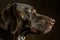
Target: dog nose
53, 21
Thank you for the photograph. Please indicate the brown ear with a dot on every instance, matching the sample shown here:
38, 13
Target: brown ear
9, 19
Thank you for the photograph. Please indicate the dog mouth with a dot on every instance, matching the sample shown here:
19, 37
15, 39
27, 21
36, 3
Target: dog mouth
35, 29
45, 28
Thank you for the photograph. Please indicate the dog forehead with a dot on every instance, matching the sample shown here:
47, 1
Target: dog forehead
20, 6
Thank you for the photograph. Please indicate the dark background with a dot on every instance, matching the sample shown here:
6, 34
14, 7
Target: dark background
45, 7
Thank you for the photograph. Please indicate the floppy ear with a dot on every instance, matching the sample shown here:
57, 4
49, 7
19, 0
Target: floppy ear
9, 19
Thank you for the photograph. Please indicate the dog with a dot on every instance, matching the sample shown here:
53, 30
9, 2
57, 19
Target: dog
21, 19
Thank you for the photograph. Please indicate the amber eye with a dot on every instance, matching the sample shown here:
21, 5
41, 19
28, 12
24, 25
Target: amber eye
28, 10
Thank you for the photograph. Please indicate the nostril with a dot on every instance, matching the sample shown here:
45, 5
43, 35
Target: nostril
53, 21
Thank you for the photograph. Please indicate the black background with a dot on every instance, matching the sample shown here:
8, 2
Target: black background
45, 7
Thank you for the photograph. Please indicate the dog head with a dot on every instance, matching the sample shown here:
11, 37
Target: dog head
33, 21
23, 18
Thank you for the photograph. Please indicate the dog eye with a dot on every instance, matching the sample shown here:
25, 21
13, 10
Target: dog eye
27, 9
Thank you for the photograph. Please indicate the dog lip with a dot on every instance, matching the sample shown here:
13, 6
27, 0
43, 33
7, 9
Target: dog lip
49, 27
33, 29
